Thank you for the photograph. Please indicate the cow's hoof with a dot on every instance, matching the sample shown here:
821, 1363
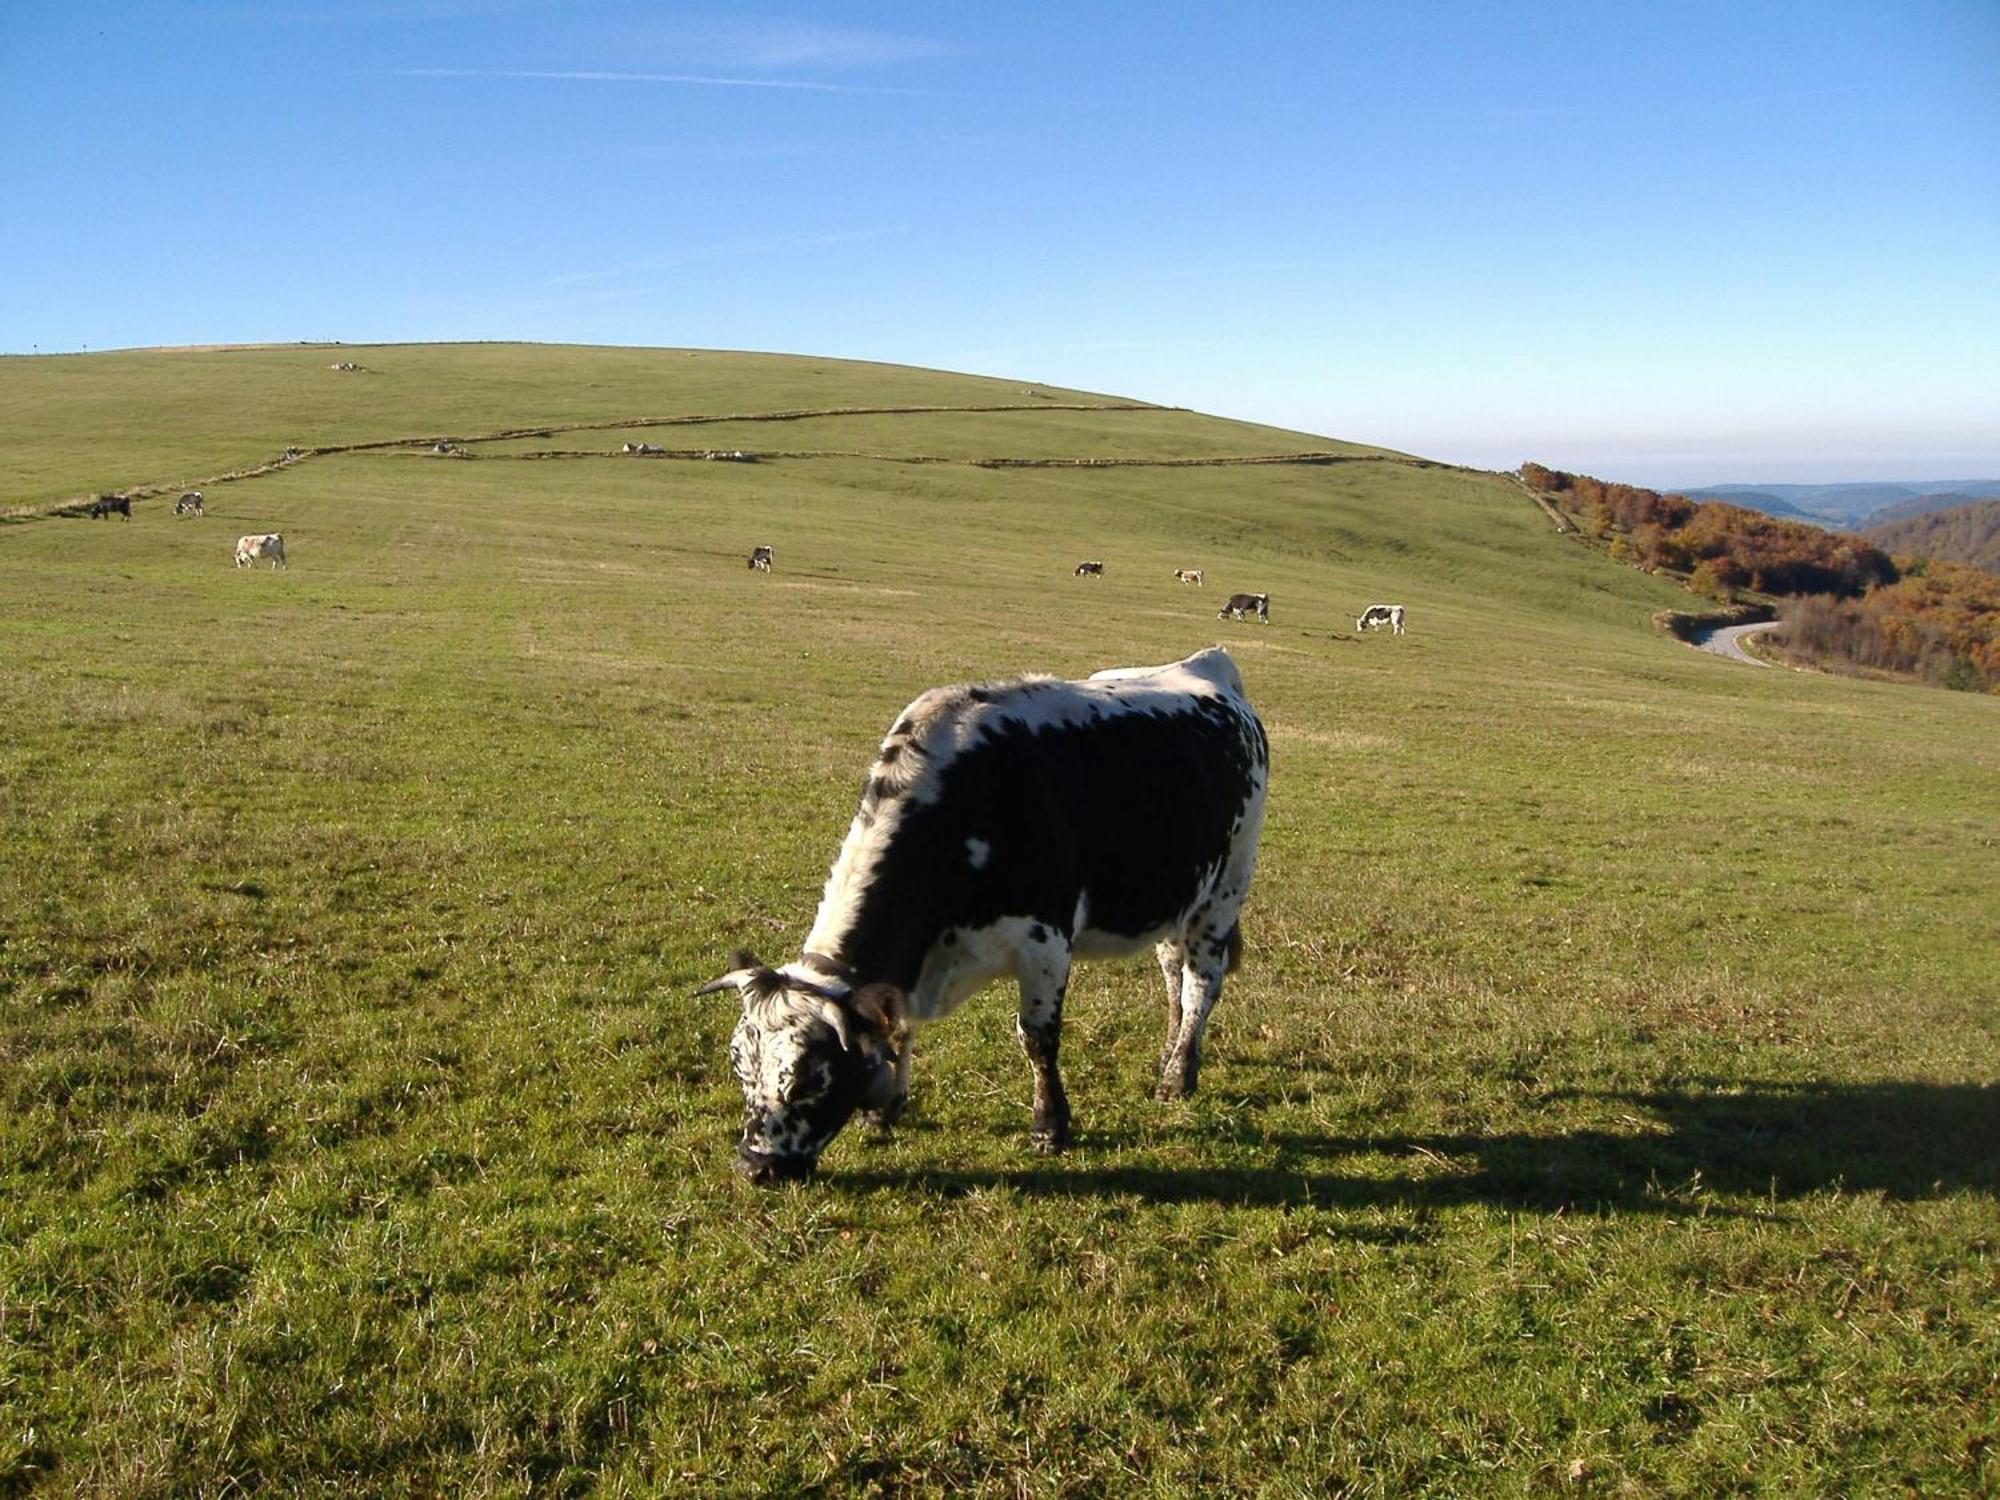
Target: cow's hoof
1171, 1089
1049, 1142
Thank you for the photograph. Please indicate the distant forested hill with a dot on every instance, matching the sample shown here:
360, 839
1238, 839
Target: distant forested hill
1848, 505
1923, 505
1963, 534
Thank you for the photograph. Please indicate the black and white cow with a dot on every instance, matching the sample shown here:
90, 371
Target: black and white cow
1240, 605
188, 504
1089, 570
1009, 828
1381, 614
108, 505
760, 559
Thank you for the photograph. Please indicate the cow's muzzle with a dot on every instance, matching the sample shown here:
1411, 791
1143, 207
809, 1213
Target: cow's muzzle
764, 1168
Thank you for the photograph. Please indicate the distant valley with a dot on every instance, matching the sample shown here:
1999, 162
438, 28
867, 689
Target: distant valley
1850, 507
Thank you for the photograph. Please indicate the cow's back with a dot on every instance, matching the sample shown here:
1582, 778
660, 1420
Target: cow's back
1130, 790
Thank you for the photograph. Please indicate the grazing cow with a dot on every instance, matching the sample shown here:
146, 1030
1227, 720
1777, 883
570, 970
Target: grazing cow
188, 504
270, 545
760, 559
641, 448
292, 453
1009, 828
1241, 604
1189, 575
442, 448
1089, 570
1381, 614
105, 505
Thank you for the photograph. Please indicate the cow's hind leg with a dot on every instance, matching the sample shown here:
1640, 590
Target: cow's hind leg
1172, 957
1208, 955
1044, 974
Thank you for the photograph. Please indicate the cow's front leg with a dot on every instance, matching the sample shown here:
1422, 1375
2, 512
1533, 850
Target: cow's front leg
1044, 979
1207, 960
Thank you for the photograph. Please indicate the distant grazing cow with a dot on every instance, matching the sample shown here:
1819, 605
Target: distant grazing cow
270, 545
105, 505
1089, 570
760, 559
442, 448
1240, 605
292, 453
1189, 575
1010, 828
188, 504
641, 448
1381, 614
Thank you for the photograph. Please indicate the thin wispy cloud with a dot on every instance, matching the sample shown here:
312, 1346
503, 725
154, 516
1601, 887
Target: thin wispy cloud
699, 80
803, 44
696, 253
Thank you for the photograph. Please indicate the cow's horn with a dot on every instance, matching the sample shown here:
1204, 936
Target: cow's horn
835, 1016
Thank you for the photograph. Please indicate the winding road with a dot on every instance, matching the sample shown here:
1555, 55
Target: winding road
1724, 641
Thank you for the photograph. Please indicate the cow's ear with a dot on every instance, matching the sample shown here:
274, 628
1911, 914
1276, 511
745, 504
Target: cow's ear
884, 1009
743, 958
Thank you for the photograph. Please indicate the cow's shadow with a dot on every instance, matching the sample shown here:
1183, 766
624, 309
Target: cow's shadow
1732, 1148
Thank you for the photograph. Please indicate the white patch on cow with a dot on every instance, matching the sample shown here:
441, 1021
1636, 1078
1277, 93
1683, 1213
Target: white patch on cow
977, 852
964, 960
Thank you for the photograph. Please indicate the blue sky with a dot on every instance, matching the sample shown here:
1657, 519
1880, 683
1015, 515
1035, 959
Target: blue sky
1674, 243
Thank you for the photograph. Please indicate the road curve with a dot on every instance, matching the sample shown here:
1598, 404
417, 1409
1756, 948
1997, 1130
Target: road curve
1723, 641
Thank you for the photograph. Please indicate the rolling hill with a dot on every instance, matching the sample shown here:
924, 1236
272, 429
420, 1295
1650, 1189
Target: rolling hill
1605, 1099
1923, 505
1847, 506
1960, 533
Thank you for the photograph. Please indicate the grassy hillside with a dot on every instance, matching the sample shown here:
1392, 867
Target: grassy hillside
1607, 1101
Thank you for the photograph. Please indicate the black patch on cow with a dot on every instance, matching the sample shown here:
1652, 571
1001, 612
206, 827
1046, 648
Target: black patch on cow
890, 754
1038, 933
1129, 811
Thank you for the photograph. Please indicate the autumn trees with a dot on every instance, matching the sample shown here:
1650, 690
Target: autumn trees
1848, 601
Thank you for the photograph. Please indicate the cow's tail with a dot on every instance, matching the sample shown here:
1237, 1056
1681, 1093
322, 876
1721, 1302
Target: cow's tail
1234, 944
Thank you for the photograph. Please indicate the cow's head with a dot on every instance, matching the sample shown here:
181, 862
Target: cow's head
809, 1052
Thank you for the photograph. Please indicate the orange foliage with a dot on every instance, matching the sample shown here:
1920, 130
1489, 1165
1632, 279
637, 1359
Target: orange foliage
1746, 546
1940, 621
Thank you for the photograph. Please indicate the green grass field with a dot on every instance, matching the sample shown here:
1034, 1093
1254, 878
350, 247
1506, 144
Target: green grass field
1607, 1103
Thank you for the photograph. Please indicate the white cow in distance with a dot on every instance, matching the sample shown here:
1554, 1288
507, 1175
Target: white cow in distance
269, 545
